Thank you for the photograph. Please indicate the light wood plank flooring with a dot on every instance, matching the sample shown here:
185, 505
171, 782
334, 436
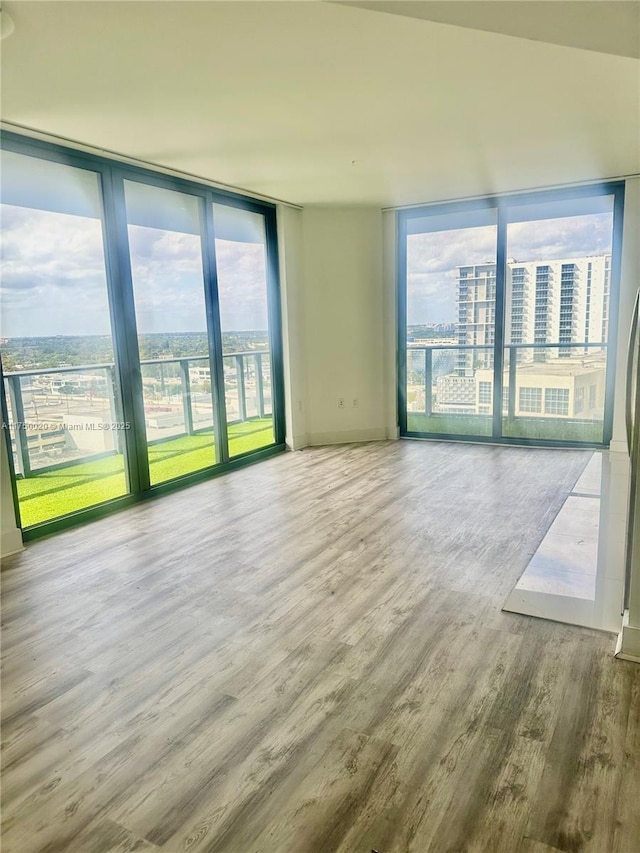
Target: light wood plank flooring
309, 656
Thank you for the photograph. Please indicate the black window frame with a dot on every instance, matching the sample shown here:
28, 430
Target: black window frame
111, 174
501, 204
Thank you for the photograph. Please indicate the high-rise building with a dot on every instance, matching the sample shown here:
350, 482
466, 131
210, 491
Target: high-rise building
476, 299
563, 301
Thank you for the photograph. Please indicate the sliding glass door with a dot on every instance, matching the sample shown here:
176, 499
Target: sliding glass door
505, 315
141, 341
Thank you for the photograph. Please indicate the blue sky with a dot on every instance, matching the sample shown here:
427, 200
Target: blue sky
54, 281
432, 258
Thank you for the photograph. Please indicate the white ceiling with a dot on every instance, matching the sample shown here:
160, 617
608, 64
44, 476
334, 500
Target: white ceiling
321, 103
607, 26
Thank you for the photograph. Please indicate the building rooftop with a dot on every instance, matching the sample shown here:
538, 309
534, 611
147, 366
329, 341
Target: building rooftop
563, 367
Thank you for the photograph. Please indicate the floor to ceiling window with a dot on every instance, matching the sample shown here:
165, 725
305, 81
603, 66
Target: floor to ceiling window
171, 320
141, 343
58, 350
450, 331
506, 307
241, 260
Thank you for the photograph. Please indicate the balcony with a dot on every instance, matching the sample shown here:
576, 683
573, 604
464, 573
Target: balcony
68, 455
446, 390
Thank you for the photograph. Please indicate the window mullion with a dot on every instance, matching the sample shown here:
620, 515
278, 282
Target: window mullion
499, 321
124, 330
214, 331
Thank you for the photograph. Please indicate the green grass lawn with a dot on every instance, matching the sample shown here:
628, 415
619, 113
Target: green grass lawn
55, 493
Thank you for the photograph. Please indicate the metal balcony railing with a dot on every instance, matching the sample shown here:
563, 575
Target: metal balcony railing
463, 357
60, 416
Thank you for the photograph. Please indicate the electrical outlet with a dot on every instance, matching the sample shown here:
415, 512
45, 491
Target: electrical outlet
341, 402
355, 402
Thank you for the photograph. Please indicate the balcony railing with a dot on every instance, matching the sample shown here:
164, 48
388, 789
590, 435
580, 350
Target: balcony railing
62, 416
463, 359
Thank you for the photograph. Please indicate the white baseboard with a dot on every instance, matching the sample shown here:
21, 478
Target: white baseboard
349, 436
297, 442
11, 543
619, 446
628, 645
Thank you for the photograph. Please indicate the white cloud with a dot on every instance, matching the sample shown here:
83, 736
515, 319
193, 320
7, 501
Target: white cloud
167, 280
54, 279
242, 286
53, 274
432, 258
552, 239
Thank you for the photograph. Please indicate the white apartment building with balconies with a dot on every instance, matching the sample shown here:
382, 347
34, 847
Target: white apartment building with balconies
563, 301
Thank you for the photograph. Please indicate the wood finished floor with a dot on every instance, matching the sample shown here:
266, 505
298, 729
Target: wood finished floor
308, 656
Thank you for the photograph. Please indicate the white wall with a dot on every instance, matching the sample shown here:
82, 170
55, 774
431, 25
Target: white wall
629, 283
343, 324
615, 485
290, 249
390, 318
10, 537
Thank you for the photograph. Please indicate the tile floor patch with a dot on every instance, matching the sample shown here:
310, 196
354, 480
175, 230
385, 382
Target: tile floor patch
566, 561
